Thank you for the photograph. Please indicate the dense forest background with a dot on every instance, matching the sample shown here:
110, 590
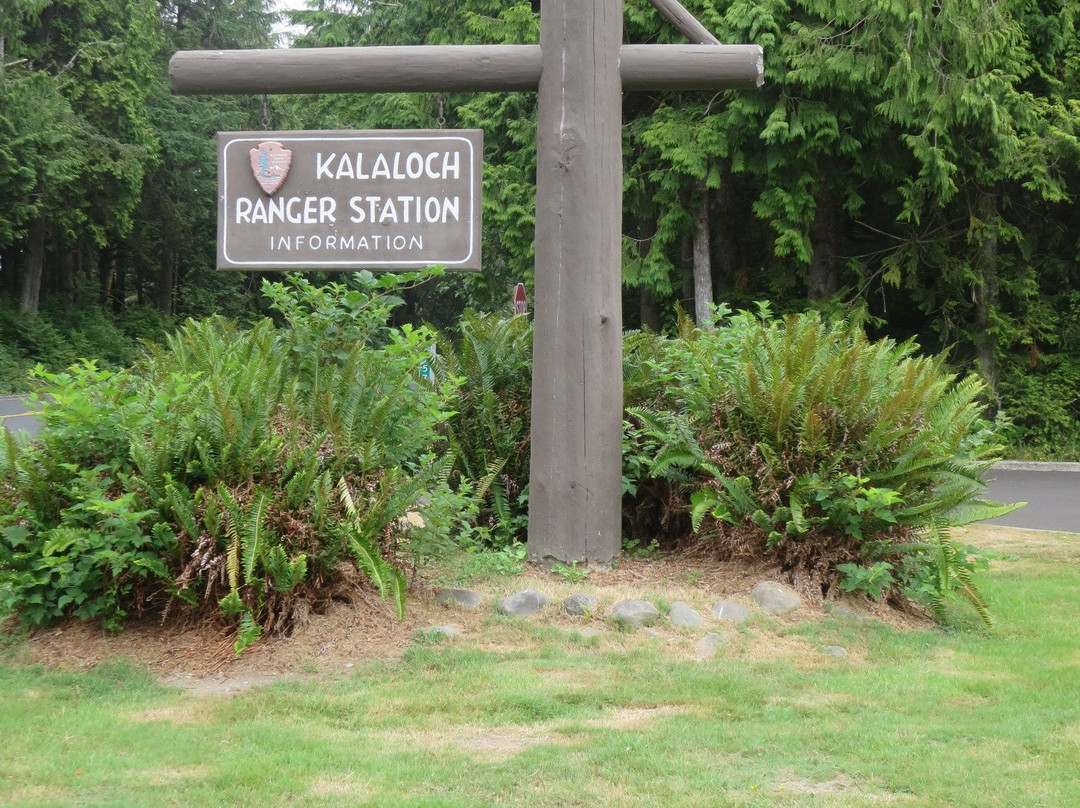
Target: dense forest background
911, 165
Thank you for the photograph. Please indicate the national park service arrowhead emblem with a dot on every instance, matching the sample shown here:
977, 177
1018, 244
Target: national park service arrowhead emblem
270, 163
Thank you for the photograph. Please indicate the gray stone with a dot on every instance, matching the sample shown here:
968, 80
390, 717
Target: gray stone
458, 597
835, 651
708, 645
683, 615
580, 605
844, 613
441, 632
588, 633
772, 598
635, 613
525, 603
726, 610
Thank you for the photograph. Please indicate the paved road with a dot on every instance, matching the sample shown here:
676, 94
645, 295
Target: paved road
15, 414
1052, 491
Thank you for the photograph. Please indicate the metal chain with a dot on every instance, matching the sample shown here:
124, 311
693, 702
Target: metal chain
265, 113
441, 120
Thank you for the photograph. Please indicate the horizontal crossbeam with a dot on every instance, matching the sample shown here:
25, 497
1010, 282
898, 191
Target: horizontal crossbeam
450, 68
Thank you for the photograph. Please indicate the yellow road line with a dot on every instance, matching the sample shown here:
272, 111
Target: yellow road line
18, 415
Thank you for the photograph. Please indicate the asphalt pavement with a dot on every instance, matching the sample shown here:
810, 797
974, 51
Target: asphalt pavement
17, 414
1051, 491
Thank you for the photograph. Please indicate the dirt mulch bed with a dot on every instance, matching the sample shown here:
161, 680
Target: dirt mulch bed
200, 658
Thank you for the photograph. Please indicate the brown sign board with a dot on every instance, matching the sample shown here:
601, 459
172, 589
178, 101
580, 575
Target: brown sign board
347, 200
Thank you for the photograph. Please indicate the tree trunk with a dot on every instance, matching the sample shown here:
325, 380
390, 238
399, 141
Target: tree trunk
68, 268
723, 252
823, 279
648, 310
166, 282
119, 285
685, 267
107, 274
34, 268
986, 298
9, 272
703, 289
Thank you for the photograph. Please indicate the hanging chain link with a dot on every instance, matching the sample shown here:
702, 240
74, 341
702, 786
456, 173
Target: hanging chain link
441, 120
265, 113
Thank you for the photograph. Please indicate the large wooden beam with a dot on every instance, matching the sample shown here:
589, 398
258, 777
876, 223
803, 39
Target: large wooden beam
450, 68
692, 67
374, 69
686, 22
575, 476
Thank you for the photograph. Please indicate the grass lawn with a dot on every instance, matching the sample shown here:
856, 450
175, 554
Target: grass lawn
531, 714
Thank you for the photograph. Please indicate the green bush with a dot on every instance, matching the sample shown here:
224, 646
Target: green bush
804, 442
1043, 405
489, 432
245, 472
55, 337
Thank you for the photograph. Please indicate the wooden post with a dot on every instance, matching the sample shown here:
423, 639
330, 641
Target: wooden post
581, 69
576, 466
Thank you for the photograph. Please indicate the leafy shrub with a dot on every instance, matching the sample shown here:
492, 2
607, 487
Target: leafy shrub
492, 360
810, 445
247, 472
55, 337
13, 368
1044, 405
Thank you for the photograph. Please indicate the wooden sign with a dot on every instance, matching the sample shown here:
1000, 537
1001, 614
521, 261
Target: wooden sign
349, 200
580, 70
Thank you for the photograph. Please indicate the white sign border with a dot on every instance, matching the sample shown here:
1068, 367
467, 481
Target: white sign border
315, 265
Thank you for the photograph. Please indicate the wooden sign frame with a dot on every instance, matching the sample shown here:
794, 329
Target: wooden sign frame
351, 200
580, 70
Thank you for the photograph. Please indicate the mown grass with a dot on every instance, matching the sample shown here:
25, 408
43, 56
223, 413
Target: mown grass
537, 716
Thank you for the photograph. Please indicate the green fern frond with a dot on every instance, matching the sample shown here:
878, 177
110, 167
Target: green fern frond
706, 502
346, 497
484, 483
255, 534
285, 574
181, 504
398, 594
372, 564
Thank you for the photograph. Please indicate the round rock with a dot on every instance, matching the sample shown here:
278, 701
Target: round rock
844, 613
773, 598
458, 597
441, 632
708, 645
525, 603
835, 651
635, 613
580, 605
726, 610
684, 615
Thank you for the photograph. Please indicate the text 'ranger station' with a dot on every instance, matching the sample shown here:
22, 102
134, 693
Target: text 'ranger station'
377, 209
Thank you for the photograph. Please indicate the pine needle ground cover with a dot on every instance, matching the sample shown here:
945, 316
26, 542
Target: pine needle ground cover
525, 713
